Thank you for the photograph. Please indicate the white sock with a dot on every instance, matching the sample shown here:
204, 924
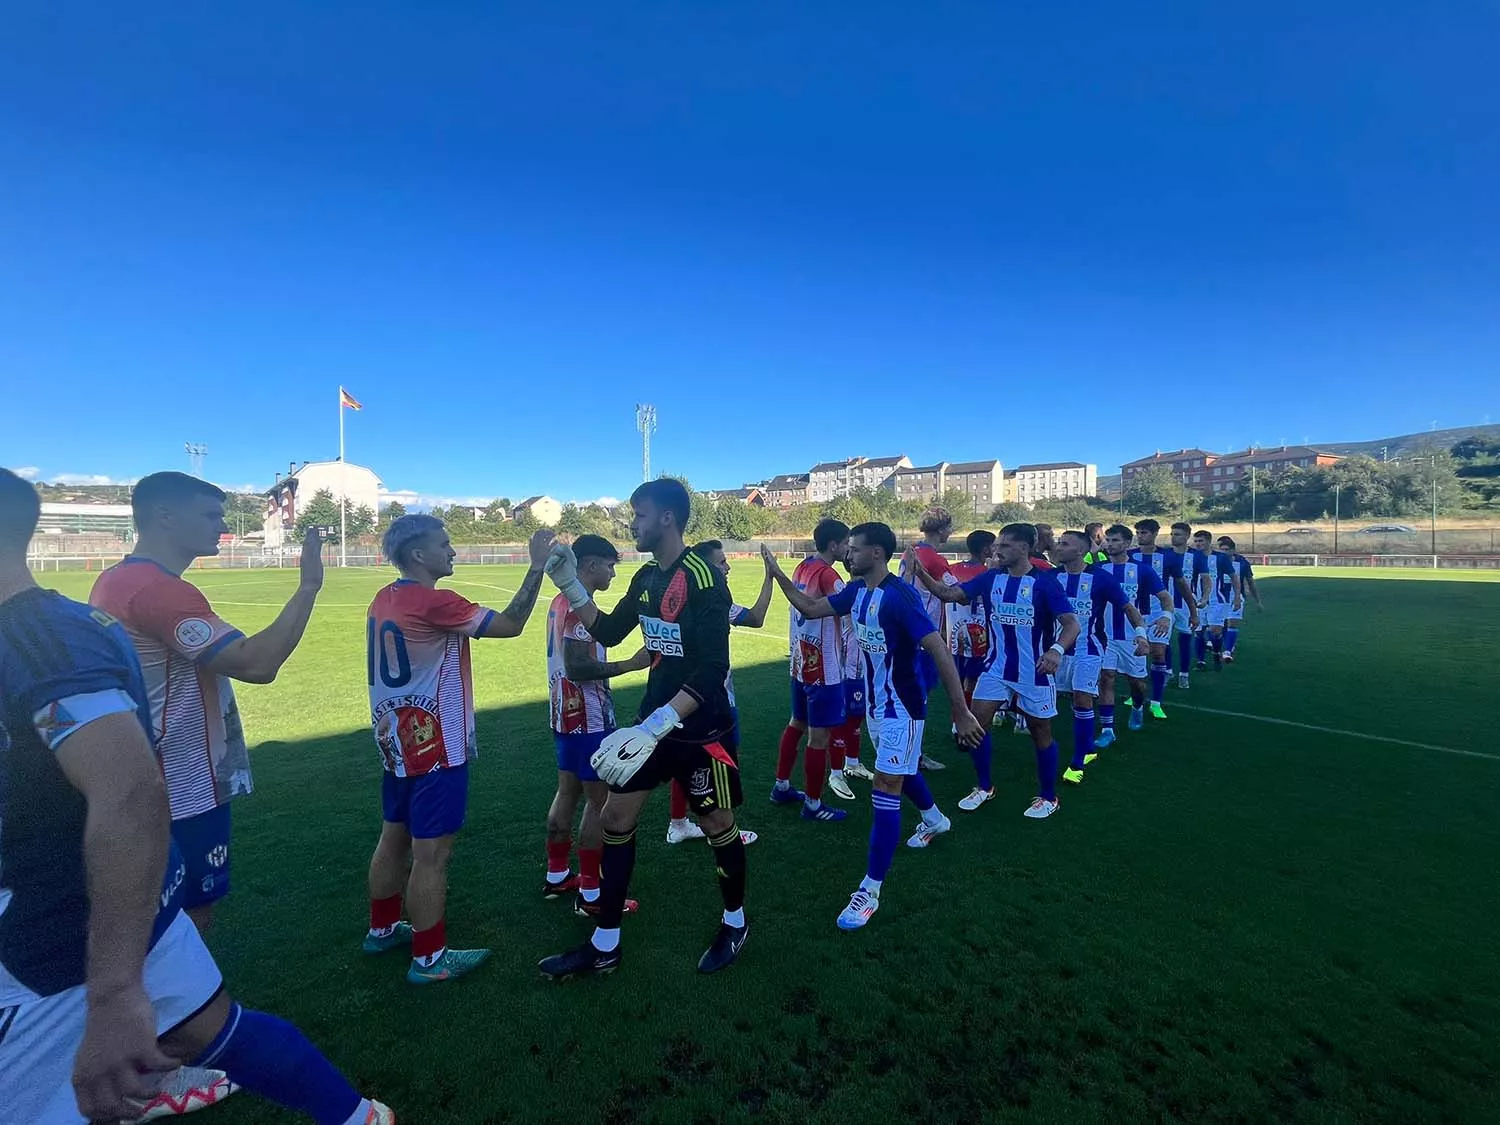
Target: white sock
556, 877
589, 894
361, 1113
382, 931
812, 804
431, 959
871, 885
678, 822
932, 816
783, 784
606, 941
735, 918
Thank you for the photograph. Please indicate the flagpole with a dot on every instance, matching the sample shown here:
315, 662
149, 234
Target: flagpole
343, 486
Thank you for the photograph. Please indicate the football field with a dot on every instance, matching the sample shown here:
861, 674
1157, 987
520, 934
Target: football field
1279, 904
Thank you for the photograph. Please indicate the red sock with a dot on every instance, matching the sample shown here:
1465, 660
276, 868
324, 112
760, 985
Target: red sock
424, 943
786, 753
385, 912
557, 855
814, 764
589, 860
850, 732
679, 801
838, 738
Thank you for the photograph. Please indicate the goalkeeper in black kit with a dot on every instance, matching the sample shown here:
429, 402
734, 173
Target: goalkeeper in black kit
685, 730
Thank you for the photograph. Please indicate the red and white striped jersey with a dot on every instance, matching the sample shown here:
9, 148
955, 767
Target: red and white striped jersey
937, 566
817, 645
421, 688
577, 708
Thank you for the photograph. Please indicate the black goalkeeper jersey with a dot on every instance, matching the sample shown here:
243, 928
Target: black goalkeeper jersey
683, 612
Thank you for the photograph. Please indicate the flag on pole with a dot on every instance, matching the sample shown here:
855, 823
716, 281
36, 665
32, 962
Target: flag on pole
346, 399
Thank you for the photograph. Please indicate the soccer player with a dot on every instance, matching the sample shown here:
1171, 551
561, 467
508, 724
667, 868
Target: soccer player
818, 703
583, 712
1145, 554
105, 984
189, 655
894, 631
1191, 572
936, 526
681, 605
1031, 625
1096, 552
422, 711
970, 638
1092, 592
1126, 631
1246, 574
1041, 555
1224, 600
679, 827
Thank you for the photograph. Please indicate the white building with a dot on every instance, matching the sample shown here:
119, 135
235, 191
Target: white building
359, 487
1055, 480
545, 510
839, 478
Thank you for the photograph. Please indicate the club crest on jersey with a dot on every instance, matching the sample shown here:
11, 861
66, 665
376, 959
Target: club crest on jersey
193, 632
698, 784
675, 598
664, 637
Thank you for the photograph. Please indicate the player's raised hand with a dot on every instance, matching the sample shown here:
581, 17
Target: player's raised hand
969, 733
540, 545
912, 562
561, 565
117, 1064
312, 560
769, 558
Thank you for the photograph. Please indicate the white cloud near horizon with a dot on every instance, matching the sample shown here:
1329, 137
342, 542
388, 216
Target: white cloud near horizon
26, 472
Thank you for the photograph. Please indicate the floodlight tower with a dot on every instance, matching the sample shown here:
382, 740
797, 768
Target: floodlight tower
645, 422
196, 451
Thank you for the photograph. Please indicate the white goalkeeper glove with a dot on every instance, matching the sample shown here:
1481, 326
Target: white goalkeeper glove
562, 567
625, 751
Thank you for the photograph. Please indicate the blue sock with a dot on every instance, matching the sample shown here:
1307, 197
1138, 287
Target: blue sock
1231, 635
1184, 652
916, 789
1107, 715
1202, 645
983, 754
270, 1057
885, 833
1158, 682
1083, 736
1046, 773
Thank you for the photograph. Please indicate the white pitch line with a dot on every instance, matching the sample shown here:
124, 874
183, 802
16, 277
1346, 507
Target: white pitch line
1335, 730
481, 585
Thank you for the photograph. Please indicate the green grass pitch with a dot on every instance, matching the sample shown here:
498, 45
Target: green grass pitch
1230, 919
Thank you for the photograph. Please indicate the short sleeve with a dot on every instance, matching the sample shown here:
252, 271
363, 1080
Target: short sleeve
454, 613
913, 617
976, 587
936, 565
68, 658
572, 628
829, 582
176, 614
738, 614
1054, 598
842, 599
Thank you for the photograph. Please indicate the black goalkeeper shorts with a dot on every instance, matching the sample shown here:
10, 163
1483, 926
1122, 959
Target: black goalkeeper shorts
709, 773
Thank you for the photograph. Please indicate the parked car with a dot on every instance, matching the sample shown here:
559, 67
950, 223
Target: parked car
1386, 529
1301, 531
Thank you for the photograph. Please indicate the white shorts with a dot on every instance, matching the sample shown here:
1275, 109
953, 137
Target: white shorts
1215, 615
1151, 624
1120, 657
1235, 615
1080, 673
898, 750
37, 1051
1182, 619
1029, 699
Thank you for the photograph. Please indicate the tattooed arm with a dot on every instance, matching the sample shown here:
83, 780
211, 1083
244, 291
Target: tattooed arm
581, 665
512, 619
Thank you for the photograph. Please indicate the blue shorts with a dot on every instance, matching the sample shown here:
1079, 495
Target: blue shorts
575, 750
429, 805
818, 705
854, 698
204, 843
970, 667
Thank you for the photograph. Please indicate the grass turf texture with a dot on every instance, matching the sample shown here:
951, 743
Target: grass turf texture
1228, 920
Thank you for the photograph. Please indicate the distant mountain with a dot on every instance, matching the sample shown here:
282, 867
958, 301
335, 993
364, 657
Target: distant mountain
1409, 445
83, 493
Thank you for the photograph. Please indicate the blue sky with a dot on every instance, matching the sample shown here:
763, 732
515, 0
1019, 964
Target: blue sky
802, 231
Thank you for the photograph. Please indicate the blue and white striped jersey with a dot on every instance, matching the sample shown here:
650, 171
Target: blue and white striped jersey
1091, 593
1141, 585
890, 623
1022, 613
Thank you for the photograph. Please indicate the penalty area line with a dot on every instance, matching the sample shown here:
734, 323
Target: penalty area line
1343, 733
